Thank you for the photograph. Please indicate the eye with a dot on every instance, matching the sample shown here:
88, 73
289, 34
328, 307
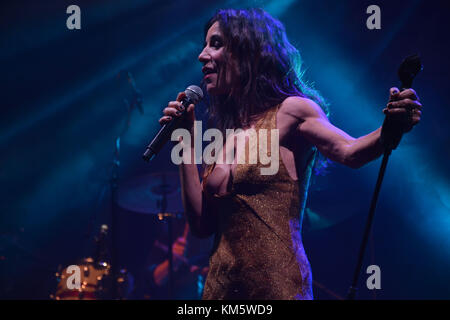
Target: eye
216, 42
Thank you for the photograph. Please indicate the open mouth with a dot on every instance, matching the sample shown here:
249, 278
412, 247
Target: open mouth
207, 71
207, 76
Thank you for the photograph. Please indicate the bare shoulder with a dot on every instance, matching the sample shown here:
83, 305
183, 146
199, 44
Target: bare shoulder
301, 108
297, 114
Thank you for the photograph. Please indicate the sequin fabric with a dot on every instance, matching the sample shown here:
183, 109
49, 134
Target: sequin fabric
258, 251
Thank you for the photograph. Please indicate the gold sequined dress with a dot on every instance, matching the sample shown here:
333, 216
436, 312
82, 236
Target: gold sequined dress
258, 251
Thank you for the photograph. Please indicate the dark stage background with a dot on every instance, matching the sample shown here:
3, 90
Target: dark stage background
62, 108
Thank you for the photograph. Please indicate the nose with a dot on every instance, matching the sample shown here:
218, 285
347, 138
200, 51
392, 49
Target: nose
203, 57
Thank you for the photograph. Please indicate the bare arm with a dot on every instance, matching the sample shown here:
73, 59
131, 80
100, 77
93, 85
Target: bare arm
334, 143
199, 218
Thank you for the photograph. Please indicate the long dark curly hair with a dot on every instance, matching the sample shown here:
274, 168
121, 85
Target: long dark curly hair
269, 67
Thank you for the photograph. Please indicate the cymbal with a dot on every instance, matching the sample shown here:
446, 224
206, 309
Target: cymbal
144, 193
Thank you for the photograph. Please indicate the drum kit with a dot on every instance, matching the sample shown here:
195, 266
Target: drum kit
152, 194
155, 194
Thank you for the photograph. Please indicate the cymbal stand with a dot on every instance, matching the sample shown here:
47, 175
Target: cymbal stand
163, 207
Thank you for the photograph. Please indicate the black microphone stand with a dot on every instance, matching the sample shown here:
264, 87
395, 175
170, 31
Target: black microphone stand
169, 216
408, 69
114, 187
163, 190
135, 100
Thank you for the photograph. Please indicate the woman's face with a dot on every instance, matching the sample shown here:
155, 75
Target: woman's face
219, 73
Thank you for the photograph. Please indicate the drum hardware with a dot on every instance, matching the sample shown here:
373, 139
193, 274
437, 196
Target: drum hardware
144, 193
95, 282
96, 277
162, 216
92, 277
156, 194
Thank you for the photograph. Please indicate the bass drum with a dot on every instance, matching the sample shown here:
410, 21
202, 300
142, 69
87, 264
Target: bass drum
92, 281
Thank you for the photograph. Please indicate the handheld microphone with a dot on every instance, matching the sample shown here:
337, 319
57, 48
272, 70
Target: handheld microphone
193, 95
392, 132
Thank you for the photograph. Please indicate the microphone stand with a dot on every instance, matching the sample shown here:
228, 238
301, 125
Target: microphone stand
408, 69
114, 187
135, 101
170, 242
164, 214
352, 291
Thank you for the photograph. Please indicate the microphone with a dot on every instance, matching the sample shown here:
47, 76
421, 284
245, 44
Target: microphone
193, 95
392, 132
